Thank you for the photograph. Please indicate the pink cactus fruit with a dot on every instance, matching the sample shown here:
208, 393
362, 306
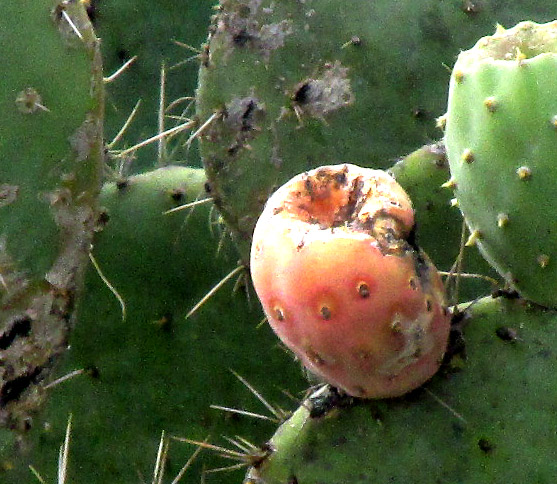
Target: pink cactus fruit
343, 285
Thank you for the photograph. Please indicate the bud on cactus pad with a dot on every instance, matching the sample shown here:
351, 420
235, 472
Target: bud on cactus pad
501, 137
344, 286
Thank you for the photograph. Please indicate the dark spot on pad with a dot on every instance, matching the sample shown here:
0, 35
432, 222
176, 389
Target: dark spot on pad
420, 114
178, 194
123, 55
241, 38
301, 95
18, 327
505, 293
14, 388
122, 184
506, 334
485, 446
471, 7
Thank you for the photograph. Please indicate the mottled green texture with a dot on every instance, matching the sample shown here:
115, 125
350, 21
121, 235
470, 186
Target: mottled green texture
438, 224
489, 416
296, 85
158, 370
148, 29
501, 137
51, 100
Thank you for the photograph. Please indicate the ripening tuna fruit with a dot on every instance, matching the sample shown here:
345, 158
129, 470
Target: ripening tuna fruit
343, 284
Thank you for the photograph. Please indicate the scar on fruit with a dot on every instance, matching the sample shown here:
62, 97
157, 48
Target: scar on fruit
336, 267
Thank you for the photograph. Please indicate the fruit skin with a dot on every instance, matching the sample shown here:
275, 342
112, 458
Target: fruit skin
501, 144
342, 284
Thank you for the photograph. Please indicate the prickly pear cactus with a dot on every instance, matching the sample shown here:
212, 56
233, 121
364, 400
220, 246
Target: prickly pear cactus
501, 136
164, 38
51, 100
288, 86
156, 370
487, 417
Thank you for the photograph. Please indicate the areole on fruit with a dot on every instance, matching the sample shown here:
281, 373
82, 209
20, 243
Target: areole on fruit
343, 284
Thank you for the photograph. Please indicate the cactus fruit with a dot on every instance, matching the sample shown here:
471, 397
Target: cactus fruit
342, 284
51, 158
501, 137
292, 85
488, 416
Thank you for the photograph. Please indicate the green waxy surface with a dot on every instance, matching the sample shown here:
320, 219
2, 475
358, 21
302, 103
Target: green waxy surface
501, 141
488, 416
157, 370
51, 100
295, 85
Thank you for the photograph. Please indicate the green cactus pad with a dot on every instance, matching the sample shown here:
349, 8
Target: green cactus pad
295, 85
51, 100
488, 416
157, 370
501, 136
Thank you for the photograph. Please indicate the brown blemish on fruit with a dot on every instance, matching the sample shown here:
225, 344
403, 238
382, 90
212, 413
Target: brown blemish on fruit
363, 355
413, 284
396, 326
428, 305
363, 289
279, 313
314, 357
325, 312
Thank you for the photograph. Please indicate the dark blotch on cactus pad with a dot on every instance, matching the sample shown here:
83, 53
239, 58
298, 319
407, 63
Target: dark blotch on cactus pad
506, 334
18, 327
14, 388
486, 446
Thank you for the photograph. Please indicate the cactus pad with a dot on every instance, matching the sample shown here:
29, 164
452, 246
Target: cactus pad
501, 137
